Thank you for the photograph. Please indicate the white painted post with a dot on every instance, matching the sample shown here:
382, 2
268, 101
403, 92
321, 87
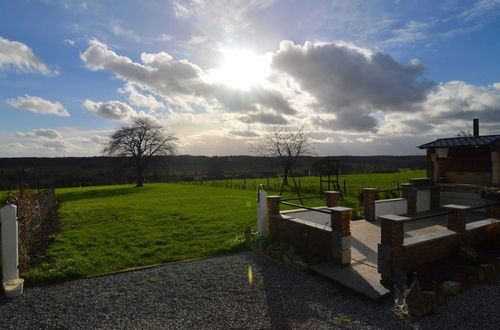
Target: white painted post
8, 215
262, 212
12, 284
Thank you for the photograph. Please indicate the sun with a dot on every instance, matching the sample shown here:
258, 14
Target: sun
241, 69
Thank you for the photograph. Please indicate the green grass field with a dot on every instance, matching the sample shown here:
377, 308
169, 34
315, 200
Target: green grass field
111, 228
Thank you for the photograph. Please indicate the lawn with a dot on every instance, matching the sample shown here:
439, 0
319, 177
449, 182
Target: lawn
111, 228
115, 227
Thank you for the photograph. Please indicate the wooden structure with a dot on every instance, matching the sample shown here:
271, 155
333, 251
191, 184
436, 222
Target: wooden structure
465, 160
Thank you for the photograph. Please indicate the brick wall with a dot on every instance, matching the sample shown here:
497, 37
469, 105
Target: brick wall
308, 238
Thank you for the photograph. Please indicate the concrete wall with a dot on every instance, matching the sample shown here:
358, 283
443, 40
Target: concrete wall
423, 200
462, 198
396, 206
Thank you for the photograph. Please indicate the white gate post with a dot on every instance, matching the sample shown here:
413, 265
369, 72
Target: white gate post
262, 212
10, 256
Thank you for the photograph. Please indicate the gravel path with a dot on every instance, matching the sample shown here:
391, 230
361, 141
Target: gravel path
214, 293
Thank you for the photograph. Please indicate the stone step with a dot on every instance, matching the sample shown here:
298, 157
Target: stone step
359, 277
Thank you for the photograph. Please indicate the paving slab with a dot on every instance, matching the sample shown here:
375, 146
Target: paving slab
359, 277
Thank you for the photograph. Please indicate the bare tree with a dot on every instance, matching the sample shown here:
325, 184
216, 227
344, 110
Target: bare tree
286, 146
141, 139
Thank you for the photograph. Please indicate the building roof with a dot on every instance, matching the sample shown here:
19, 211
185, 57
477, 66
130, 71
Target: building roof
462, 141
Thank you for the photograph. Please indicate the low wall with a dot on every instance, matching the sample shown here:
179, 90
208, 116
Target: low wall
397, 253
301, 234
396, 206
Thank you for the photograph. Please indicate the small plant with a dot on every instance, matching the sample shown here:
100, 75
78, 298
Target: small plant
344, 319
153, 279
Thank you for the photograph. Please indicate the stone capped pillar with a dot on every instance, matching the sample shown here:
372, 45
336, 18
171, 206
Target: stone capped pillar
457, 219
391, 244
332, 198
369, 197
410, 194
341, 235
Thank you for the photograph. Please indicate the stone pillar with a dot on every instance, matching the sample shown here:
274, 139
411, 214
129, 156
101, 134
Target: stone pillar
391, 244
457, 218
341, 235
332, 198
495, 167
435, 198
410, 194
273, 209
369, 197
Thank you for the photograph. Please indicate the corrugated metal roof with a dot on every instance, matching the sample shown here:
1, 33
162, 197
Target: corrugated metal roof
465, 141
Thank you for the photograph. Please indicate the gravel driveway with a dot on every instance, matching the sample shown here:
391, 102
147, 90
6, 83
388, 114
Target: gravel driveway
215, 293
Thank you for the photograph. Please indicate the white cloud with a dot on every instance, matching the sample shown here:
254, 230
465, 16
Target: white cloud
182, 82
112, 110
38, 105
44, 133
140, 100
119, 31
18, 56
164, 37
69, 42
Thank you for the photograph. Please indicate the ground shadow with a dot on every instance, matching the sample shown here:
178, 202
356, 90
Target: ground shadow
99, 193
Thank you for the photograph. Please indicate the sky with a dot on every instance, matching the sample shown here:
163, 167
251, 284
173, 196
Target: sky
361, 77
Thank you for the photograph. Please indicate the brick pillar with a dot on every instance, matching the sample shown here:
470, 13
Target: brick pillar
391, 244
332, 198
430, 164
369, 197
495, 211
495, 167
410, 194
457, 218
435, 198
273, 209
341, 235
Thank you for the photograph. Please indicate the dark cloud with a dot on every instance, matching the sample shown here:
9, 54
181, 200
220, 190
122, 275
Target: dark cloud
264, 118
353, 82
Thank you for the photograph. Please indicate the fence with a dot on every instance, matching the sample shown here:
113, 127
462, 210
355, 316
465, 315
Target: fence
36, 219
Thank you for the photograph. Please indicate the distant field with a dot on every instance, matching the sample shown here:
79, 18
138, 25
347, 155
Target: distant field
354, 183
110, 228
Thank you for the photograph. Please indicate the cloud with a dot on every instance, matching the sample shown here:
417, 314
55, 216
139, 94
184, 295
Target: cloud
264, 118
232, 16
352, 82
38, 105
112, 110
18, 56
248, 134
69, 42
179, 81
119, 31
164, 37
140, 100
44, 133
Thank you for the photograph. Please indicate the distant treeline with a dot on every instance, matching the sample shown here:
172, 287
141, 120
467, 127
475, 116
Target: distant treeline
84, 171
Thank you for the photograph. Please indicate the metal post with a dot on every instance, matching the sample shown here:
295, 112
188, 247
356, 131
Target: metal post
8, 216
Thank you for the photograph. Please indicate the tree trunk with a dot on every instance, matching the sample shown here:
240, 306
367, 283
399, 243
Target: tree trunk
285, 177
